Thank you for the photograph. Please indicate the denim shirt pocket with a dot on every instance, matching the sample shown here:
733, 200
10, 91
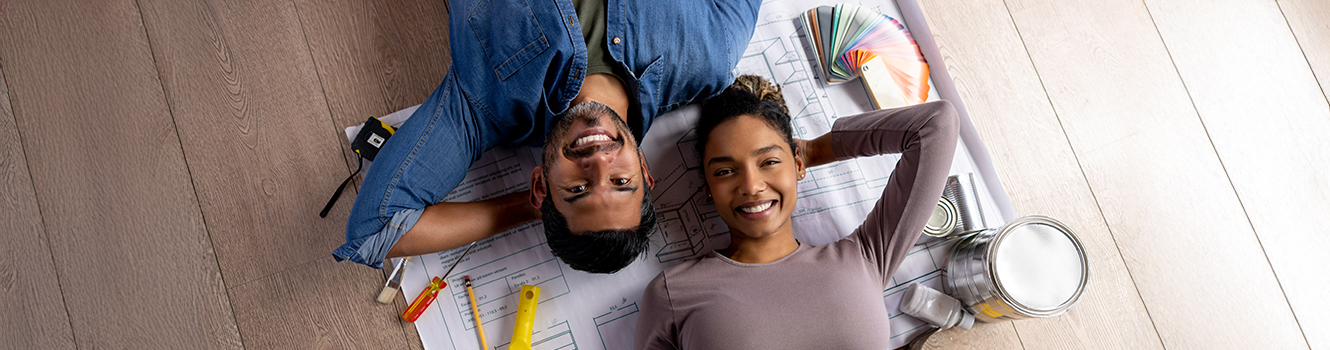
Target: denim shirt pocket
649, 84
509, 34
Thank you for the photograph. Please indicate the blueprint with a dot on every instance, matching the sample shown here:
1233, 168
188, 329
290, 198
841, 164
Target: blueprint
577, 310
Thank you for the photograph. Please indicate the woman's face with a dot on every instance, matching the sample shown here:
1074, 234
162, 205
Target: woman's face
752, 174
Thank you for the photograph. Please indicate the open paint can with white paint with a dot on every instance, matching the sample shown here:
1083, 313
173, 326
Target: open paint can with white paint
1033, 266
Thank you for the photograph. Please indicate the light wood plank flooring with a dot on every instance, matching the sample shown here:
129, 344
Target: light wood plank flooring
163, 163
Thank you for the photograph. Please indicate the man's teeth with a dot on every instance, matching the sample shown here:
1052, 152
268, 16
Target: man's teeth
756, 209
592, 138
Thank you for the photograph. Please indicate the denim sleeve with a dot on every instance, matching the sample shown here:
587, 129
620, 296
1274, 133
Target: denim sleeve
374, 249
418, 166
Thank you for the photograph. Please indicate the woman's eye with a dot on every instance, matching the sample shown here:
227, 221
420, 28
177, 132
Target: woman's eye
771, 162
577, 189
619, 182
723, 172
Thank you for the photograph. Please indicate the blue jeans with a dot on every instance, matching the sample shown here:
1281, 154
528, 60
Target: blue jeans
418, 166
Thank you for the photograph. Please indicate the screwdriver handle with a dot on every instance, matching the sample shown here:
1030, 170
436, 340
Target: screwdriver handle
423, 300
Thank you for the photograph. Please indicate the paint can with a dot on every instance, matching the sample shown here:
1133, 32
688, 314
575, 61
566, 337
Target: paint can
943, 220
1033, 266
964, 196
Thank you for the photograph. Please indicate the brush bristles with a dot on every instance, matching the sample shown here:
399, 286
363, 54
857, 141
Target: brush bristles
387, 295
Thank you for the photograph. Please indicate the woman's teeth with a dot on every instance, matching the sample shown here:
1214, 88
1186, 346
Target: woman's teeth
592, 138
756, 209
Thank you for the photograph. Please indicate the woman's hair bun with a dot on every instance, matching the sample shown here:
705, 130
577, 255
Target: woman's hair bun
761, 88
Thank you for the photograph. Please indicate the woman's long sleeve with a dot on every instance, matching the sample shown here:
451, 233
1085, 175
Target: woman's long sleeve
925, 136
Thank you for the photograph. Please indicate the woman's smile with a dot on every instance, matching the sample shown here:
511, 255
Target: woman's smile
757, 210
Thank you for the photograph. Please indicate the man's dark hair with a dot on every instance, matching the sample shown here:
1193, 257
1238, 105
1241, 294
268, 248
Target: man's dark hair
749, 95
606, 251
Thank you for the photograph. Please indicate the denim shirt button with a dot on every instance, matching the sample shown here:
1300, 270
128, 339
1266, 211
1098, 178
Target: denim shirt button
570, 20
616, 40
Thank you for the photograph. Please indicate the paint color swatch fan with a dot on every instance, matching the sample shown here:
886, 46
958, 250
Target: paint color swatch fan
857, 42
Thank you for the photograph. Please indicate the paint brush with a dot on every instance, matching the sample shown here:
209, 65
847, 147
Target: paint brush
394, 284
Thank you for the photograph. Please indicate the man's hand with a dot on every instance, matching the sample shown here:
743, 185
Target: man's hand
815, 152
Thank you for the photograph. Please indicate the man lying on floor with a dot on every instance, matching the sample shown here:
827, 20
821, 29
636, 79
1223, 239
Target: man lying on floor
520, 76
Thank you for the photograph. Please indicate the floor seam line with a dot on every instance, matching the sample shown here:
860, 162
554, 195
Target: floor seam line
1227, 176
309, 50
1085, 176
46, 232
1315, 78
143, 21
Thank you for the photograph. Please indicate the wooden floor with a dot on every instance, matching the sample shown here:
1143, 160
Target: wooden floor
162, 162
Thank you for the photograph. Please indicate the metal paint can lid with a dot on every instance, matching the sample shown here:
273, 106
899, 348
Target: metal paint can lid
943, 220
1039, 264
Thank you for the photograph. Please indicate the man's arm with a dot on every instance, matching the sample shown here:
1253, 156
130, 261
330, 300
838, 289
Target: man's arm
450, 225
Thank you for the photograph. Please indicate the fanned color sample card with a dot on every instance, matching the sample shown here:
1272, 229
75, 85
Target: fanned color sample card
848, 38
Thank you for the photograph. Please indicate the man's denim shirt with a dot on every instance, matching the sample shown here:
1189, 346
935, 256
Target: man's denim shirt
517, 64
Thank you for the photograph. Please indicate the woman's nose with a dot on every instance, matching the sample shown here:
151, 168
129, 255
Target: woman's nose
753, 183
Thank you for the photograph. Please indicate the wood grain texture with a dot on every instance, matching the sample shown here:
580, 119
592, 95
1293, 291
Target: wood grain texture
274, 311
1166, 198
983, 336
1307, 19
375, 58
258, 136
1008, 105
1268, 119
32, 309
136, 265
255, 129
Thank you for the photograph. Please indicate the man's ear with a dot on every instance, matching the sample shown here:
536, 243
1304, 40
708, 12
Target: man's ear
537, 187
646, 173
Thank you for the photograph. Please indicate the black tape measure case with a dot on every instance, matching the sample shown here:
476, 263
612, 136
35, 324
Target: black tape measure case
371, 138
367, 144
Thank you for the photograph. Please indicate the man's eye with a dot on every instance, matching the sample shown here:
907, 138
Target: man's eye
577, 189
723, 172
619, 182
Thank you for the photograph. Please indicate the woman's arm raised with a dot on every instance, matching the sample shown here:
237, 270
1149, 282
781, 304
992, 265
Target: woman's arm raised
925, 136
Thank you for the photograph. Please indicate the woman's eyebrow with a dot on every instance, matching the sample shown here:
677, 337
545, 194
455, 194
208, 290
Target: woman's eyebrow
719, 160
756, 152
766, 149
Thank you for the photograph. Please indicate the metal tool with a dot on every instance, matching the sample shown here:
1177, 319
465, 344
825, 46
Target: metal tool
431, 291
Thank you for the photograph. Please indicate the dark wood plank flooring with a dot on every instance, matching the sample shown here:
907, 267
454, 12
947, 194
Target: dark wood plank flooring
135, 264
32, 308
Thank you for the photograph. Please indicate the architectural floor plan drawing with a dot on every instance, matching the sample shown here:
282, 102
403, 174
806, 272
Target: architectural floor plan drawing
577, 310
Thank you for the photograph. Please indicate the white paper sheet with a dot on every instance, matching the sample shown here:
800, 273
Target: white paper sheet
585, 311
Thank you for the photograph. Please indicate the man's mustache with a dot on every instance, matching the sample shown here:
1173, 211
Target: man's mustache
579, 153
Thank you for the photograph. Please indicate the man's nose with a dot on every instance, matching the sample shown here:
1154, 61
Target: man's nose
596, 160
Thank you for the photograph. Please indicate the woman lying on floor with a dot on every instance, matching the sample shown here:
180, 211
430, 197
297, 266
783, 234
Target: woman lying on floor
768, 290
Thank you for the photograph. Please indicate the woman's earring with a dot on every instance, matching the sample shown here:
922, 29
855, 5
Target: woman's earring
801, 176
